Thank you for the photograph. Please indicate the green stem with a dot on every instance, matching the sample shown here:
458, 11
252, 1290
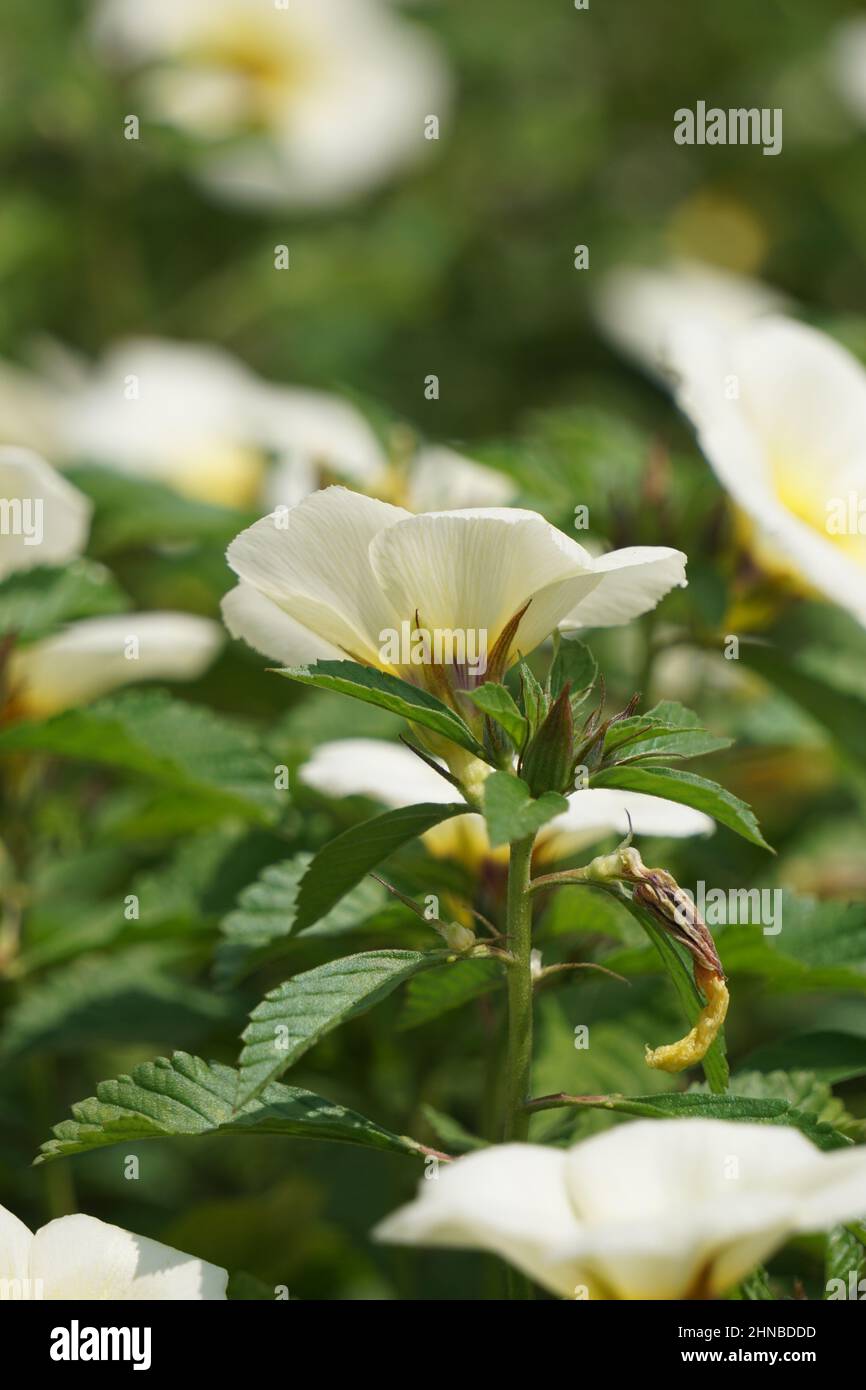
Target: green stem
518, 925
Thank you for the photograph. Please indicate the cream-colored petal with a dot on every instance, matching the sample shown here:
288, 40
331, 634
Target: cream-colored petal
314, 562
321, 430
598, 811
642, 309
97, 655
474, 570
78, 1257
387, 772
632, 582
510, 1199
834, 1191
780, 413
15, 1244
254, 618
440, 479
44, 520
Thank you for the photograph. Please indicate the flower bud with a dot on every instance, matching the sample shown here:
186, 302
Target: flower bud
457, 937
548, 761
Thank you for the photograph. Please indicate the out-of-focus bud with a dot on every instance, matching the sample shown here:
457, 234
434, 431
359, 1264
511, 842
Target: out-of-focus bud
549, 759
457, 937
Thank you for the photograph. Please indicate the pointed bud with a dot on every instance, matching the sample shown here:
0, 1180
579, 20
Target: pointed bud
548, 761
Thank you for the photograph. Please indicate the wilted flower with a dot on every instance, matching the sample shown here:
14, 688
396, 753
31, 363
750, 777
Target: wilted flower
654, 1209
302, 103
78, 1257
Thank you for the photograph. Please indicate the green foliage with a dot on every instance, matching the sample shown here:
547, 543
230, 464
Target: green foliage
512, 813
35, 603
388, 692
183, 1096
688, 788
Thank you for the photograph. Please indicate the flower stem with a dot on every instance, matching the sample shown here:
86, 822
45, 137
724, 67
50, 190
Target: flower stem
518, 1065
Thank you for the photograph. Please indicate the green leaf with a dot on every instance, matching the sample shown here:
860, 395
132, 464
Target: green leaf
675, 715
344, 861
389, 692
132, 510
715, 1064
510, 811
295, 1015
573, 663
437, 992
267, 914
185, 747
643, 737
42, 600
130, 998
802, 1090
841, 712
845, 1257
185, 1096
679, 1105
832, 1057
495, 701
689, 789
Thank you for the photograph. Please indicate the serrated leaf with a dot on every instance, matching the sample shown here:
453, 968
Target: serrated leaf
688, 789
183, 1096
295, 1015
437, 992
389, 692
41, 600
845, 1263
512, 813
495, 701
751, 1110
186, 747
266, 913
344, 861
574, 663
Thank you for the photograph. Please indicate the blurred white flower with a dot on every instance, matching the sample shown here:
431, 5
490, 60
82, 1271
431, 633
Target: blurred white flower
641, 309
848, 63
328, 577
392, 774
193, 417
304, 103
780, 413
78, 1257
97, 655
43, 519
654, 1209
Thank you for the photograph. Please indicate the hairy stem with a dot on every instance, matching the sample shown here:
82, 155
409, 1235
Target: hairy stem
518, 1063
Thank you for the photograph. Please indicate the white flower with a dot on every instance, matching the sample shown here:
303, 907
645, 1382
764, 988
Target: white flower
96, 655
78, 1257
848, 63
392, 774
334, 573
641, 309
655, 1209
193, 417
780, 413
43, 519
302, 103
